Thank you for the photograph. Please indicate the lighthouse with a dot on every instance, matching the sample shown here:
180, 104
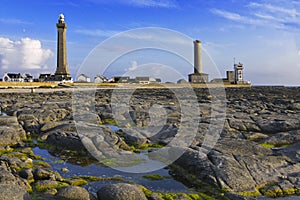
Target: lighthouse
62, 72
198, 76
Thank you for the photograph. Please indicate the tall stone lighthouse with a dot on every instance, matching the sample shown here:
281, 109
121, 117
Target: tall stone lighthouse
198, 76
62, 72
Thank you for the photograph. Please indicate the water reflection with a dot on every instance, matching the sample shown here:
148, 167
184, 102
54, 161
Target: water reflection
166, 185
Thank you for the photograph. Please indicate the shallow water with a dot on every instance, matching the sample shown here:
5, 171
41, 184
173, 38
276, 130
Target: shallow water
166, 185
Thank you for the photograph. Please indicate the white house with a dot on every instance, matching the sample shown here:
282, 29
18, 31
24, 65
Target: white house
11, 77
28, 78
100, 79
83, 78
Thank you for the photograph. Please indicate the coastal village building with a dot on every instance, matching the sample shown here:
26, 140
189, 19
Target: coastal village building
100, 79
230, 77
120, 79
146, 80
13, 77
45, 77
83, 78
238, 73
138, 79
28, 78
233, 77
142, 80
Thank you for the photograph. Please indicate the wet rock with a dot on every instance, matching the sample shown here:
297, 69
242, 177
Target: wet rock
65, 170
41, 174
46, 174
121, 191
65, 140
73, 193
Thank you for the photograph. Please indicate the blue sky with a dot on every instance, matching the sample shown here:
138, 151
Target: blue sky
262, 34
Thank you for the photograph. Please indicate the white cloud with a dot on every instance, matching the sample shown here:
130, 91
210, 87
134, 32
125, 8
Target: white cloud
140, 3
97, 32
237, 17
226, 14
276, 14
13, 21
154, 3
24, 55
292, 12
134, 65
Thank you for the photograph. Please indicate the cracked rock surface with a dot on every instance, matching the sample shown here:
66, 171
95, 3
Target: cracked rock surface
258, 142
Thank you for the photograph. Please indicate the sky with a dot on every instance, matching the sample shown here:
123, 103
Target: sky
261, 34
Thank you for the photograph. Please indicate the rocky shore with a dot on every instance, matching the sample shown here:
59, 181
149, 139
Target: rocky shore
257, 151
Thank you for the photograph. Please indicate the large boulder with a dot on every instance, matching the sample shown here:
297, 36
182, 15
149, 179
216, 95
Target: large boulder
73, 193
46, 174
121, 191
